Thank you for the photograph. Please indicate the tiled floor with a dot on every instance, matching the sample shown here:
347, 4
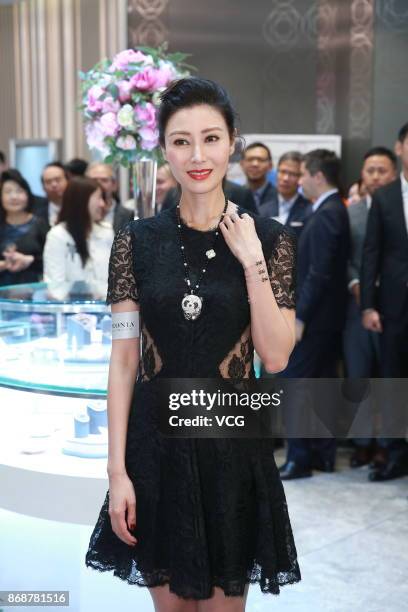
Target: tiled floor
351, 536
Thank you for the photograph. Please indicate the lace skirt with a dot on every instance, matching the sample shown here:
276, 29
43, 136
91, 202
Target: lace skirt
209, 512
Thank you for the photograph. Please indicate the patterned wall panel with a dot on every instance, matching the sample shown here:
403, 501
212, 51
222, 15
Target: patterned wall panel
250, 49
324, 18
145, 22
361, 63
289, 67
393, 14
390, 89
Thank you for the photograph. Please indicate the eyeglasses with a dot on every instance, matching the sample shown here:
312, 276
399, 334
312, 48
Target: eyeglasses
293, 175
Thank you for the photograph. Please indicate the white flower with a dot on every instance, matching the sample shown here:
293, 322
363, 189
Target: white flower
127, 143
126, 117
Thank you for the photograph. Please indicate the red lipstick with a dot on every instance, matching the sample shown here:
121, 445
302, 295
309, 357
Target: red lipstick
199, 175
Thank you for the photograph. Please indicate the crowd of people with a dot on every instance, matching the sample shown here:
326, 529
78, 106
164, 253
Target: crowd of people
352, 254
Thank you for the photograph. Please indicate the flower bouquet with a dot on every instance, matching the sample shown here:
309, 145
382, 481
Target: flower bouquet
120, 98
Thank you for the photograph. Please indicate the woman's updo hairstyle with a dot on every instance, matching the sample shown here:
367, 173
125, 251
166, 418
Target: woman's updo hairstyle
193, 91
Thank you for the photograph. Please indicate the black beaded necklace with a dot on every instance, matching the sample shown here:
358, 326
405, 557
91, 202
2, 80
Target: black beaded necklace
191, 303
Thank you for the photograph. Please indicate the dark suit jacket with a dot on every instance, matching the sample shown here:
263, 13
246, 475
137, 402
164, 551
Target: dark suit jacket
30, 243
385, 253
269, 202
299, 213
40, 209
121, 216
323, 251
242, 196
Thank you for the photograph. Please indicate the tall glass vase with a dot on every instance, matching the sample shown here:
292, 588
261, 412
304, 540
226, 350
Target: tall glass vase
144, 187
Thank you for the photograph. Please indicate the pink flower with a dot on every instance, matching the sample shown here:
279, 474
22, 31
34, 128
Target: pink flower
165, 74
109, 105
146, 114
109, 124
150, 138
145, 80
94, 93
122, 60
95, 137
125, 88
127, 143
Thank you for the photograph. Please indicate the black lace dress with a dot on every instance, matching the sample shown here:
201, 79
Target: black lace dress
209, 511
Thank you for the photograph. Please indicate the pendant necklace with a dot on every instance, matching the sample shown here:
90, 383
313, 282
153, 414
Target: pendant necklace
192, 303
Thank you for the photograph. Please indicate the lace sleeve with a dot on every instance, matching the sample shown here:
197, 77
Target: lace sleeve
282, 270
121, 279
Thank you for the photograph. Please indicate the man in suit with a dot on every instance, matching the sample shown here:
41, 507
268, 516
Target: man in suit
385, 257
116, 214
242, 196
54, 180
290, 207
361, 346
323, 250
256, 163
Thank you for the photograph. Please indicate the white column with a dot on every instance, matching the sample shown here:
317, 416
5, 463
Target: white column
42, 70
54, 70
69, 78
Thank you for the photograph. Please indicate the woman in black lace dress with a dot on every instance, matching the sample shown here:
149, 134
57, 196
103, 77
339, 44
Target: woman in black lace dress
196, 520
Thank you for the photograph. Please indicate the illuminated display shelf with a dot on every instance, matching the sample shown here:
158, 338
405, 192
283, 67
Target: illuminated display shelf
55, 346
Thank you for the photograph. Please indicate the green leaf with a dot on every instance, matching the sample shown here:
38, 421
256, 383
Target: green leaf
113, 90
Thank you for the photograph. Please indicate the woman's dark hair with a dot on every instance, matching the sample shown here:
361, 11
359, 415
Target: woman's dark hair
75, 212
14, 175
194, 91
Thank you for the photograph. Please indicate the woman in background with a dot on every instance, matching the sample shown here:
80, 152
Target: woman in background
78, 246
22, 234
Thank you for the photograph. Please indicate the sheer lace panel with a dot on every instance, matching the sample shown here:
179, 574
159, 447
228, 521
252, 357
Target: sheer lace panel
281, 270
121, 279
150, 362
237, 364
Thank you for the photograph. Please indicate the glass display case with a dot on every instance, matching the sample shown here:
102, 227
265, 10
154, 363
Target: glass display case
55, 344
55, 339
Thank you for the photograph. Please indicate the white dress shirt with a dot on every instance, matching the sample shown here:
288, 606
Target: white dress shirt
53, 212
285, 206
62, 263
323, 197
368, 200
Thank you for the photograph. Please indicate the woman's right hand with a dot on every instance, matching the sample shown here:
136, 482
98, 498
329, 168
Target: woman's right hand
122, 498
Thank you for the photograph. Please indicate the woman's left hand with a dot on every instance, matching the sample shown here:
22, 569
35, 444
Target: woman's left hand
241, 237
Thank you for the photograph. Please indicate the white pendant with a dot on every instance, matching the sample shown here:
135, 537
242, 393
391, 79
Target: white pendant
191, 305
210, 254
